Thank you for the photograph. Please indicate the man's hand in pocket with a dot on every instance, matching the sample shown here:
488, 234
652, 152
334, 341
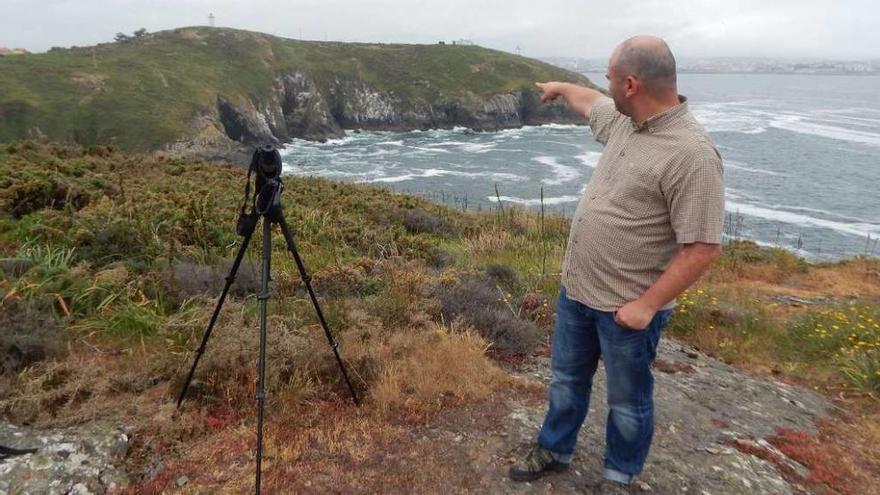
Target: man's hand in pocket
635, 315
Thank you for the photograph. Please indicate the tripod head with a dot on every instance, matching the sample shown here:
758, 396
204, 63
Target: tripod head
266, 162
266, 165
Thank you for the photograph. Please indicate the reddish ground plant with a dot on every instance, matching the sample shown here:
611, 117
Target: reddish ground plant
834, 458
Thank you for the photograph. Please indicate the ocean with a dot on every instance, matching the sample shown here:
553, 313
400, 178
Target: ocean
801, 156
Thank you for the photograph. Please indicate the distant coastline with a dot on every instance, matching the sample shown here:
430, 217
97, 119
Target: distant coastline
782, 73
740, 66
601, 70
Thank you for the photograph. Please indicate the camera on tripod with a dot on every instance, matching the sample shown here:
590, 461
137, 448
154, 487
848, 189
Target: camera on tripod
266, 165
266, 203
266, 162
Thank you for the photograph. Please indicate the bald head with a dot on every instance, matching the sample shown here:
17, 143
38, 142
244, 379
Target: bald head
649, 59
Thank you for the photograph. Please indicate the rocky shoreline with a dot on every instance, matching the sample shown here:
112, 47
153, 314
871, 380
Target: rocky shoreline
297, 107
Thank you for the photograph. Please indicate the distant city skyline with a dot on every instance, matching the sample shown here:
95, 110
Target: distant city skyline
845, 30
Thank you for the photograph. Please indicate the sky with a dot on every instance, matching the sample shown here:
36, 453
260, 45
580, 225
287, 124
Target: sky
845, 29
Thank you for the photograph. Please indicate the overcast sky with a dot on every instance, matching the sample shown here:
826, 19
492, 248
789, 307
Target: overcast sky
694, 28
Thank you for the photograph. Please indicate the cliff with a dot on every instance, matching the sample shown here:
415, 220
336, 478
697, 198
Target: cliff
209, 91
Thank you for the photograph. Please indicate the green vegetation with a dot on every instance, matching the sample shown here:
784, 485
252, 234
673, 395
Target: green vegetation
134, 262
823, 334
143, 93
848, 334
110, 264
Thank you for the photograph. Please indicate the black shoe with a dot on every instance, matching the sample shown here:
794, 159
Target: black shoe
538, 463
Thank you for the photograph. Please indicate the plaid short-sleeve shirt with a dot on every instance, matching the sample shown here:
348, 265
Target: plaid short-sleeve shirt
659, 184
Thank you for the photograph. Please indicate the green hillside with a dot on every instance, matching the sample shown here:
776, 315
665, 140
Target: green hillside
143, 93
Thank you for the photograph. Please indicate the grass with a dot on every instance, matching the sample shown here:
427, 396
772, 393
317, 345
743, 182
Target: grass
773, 313
849, 334
429, 304
422, 373
135, 266
143, 94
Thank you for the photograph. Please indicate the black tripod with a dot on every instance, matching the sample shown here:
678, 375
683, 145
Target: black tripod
266, 163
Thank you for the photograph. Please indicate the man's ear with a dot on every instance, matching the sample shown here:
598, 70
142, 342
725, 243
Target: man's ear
632, 86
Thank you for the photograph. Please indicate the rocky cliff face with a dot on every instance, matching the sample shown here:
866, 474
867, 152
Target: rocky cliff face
298, 107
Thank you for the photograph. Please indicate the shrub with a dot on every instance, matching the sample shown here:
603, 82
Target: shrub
480, 304
752, 261
186, 279
402, 301
737, 329
438, 258
344, 281
697, 309
299, 360
27, 337
29, 196
418, 221
14, 267
536, 308
99, 150
502, 275
114, 239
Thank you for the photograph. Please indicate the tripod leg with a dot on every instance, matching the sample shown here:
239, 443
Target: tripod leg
229, 279
261, 381
291, 246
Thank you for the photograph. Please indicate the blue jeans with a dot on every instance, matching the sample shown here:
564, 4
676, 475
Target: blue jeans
581, 336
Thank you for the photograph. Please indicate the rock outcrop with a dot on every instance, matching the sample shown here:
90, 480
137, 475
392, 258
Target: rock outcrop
712, 420
298, 107
82, 460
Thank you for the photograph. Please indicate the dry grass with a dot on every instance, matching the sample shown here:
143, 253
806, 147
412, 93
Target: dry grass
324, 443
329, 448
854, 278
439, 367
490, 241
404, 301
744, 267
406, 374
82, 387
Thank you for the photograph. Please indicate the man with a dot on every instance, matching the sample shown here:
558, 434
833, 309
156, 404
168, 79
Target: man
648, 225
